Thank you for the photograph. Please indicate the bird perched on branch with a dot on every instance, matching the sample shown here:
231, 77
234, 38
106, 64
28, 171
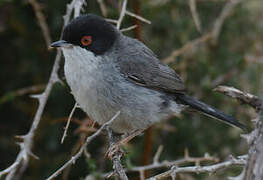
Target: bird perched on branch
110, 72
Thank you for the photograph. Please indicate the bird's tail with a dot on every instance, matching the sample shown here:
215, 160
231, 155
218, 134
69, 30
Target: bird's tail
210, 111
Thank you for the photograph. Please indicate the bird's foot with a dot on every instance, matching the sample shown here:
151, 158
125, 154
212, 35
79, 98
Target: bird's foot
116, 147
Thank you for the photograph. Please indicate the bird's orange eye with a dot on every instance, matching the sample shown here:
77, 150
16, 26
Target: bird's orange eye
86, 40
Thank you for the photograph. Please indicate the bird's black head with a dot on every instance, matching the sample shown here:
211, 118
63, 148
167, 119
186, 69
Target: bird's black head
91, 32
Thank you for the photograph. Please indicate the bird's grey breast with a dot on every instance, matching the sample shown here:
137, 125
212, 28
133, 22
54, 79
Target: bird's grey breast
85, 74
101, 90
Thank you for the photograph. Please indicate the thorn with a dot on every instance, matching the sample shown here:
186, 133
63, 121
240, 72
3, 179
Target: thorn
33, 155
60, 81
20, 144
21, 137
231, 157
247, 137
73, 160
110, 175
36, 96
207, 155
186, 153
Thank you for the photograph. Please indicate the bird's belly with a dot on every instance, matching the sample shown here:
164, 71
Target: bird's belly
101, 96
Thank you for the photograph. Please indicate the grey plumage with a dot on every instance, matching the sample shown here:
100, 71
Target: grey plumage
101, 89
123, 76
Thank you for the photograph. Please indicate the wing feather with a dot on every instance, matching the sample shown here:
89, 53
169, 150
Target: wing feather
141, 66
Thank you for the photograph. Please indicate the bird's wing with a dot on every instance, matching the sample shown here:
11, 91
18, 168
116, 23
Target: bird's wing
142, 67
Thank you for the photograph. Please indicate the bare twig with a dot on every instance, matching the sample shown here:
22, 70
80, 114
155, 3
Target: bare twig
27, 143
41, 20
164, 164
186, 47
224, 77
254, 166
157, 154
68, 122
103, 8
192, 4
243, 97
81, 150
122, 14
77, 6
112, 20
241, 161
212, 35
9, 169
253, 169
137, 17
22, 92
227, 10
128, 28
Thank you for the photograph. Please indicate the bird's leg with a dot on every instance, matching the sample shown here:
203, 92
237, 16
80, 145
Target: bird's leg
116, 141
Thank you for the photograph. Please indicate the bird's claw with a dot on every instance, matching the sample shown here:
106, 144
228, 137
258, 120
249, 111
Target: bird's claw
115, 149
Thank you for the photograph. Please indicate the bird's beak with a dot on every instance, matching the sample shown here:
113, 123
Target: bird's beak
60, 43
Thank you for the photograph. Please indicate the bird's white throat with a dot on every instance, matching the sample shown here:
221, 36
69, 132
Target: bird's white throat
80, 56
81, 70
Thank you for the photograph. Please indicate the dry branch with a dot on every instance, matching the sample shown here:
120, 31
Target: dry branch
22, 92
27, 143
28, 139
243, 97
201, 169
122, 14
156, 164
192, 4
82, 149
211, 35
226, 12
128, 28
137, 17
68, 122
188, 46
254, 166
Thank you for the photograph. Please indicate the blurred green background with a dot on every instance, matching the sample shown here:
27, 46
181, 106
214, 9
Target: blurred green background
25, 65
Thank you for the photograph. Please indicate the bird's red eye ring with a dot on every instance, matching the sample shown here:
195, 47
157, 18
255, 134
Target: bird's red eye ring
86, 40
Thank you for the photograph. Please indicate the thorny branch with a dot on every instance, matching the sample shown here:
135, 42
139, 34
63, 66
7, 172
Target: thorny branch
81, 150
253, 169
17, 168
211, 35
186, 47
227, 10
192, 4
254, 166
241, 96
122, 14
116, 157
22, 92
26, 146
241, 161
28, 139
156, 164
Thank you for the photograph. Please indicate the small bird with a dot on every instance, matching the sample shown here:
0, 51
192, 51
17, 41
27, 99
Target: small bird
110, 72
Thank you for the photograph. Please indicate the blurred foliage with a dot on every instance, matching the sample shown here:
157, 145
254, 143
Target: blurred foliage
26, 62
